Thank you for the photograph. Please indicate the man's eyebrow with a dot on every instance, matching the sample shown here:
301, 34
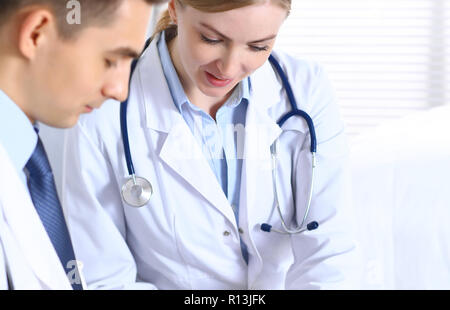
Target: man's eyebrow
125, 52
226, 38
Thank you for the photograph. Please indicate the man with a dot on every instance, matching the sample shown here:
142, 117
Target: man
58, 59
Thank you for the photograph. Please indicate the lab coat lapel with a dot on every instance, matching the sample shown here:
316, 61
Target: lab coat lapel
180, 150
261, 132
25, 225
182, 153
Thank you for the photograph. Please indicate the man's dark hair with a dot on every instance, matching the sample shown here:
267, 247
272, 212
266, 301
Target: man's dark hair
93, 12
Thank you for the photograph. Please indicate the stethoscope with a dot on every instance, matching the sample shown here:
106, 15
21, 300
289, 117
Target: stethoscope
273, 150
137, 191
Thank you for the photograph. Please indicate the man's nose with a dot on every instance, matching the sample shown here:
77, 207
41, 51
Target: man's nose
116, 87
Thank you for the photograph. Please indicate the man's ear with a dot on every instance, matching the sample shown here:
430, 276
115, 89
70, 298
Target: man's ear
36, 27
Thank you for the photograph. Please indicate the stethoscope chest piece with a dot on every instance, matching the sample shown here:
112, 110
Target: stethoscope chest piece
137, 192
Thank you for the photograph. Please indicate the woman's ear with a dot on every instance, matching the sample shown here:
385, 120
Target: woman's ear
173, 11
35, 29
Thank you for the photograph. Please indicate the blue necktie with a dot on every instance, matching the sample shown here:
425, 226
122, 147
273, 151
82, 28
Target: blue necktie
42, 189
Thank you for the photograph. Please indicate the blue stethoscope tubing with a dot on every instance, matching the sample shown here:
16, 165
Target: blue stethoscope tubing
295, 111
124, 121
124, 128
137, 191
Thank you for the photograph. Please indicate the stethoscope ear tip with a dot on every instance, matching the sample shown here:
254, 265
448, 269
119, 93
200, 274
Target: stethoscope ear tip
266, 227
312, 226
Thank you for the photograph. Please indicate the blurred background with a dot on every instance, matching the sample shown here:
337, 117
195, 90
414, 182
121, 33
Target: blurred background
386, 58
389, 63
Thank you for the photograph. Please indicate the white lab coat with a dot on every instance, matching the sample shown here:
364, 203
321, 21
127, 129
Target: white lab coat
25, 248
186, 237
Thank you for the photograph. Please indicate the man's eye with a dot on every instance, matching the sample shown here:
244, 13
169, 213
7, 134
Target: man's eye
110, 63
209, 41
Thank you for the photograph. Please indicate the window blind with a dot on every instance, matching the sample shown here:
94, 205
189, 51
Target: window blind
386, 58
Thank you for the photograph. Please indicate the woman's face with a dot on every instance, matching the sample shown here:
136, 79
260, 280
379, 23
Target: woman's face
213, 52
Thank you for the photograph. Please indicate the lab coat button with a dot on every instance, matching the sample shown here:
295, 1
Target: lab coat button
241, 231
226, 233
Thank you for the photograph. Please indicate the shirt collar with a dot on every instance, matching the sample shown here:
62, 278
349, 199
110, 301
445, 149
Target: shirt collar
17, 134
241, 92
173, 81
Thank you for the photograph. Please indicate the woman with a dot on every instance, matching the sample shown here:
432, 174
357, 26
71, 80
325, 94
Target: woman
202, 117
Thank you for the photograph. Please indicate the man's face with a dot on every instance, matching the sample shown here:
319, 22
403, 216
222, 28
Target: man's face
75, 76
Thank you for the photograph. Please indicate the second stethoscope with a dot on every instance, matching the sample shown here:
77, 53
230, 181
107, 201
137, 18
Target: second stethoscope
137, 191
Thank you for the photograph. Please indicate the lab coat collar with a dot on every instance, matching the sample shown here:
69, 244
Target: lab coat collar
161, 113
23, 221
16, 132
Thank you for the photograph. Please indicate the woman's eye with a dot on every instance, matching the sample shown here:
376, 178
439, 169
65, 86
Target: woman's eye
209, 41
259, 48
253, 48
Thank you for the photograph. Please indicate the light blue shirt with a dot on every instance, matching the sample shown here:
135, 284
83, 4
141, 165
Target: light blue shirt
17, 134
222, 141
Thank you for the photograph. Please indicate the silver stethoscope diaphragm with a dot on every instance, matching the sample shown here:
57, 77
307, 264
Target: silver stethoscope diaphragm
137, 192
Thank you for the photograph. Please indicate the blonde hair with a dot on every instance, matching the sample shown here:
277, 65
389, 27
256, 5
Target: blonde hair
209, 6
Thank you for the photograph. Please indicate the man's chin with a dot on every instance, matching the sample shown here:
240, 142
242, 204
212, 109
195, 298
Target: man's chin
65, 123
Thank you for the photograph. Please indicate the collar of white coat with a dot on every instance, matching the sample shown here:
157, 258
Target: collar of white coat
14, 120
21, 219
162, 115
